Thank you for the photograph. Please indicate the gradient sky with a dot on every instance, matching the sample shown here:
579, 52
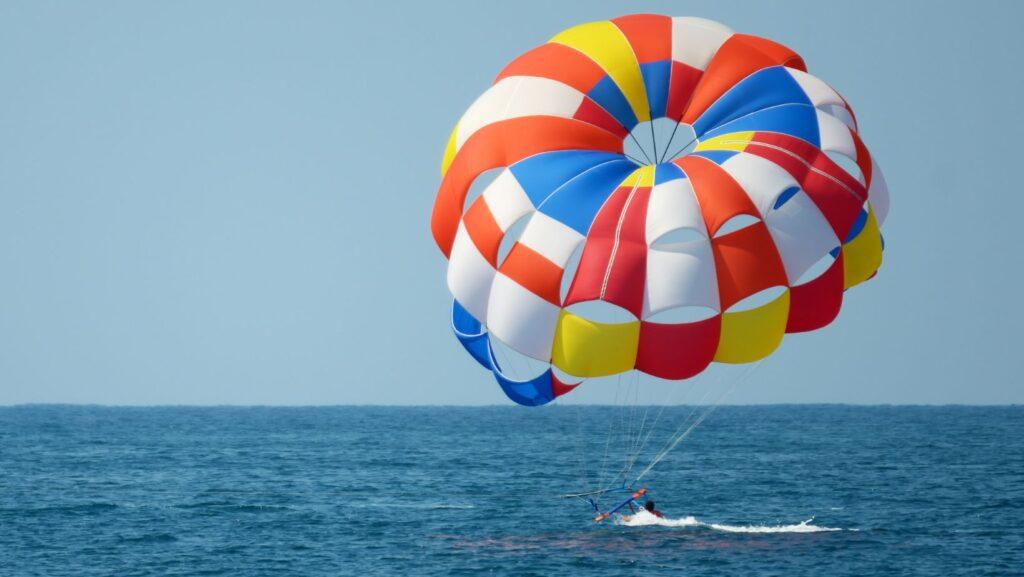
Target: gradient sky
228, 202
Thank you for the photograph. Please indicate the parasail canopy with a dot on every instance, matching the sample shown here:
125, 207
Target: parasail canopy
653, 165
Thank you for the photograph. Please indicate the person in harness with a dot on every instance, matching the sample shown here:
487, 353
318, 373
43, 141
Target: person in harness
649, 507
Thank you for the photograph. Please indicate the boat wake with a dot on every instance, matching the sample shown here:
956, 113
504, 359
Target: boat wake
643, 519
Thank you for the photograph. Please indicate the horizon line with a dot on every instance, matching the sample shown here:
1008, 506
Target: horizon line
484, 406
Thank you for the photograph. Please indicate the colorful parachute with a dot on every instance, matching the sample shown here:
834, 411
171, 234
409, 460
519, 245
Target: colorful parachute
574, 127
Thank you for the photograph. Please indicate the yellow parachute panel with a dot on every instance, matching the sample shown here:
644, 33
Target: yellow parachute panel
605, 44
751, 335
736, 141
643, 176
585, 348
449, 151
863, 255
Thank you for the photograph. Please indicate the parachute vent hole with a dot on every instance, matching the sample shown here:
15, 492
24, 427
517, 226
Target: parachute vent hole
736, 223
682, 315
818, 268
512, 236
480, 184
601, 312
677, 240
785, 196
848, 164
842, 114
515, 364
659, 141
858, 224
758, 299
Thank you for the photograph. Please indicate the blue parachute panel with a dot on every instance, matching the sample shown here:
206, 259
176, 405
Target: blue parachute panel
858, 226
667, 172
656, 79
785, 196
470, 333
798, 120
576, 203
542, 174
759, 91
608, 96
531, 393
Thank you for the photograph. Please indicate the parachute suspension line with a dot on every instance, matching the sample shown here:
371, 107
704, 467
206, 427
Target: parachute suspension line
506, 360
669, 144
626, 430
581, 450
641, 438
629, 414
632, 449
632, 435
654, 140
625, 418
685, 420
635, 416
748, 370
685, 146
642, 151
634, 430
622, 422
581, 465
665, 402
707, 412
636, 433
682, 425
716, 382
633, 158
625, 422
643, 421
608, 437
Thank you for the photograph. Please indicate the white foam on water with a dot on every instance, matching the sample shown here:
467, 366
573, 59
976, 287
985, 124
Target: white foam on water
643, 518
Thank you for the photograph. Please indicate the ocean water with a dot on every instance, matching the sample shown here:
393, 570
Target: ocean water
780, 490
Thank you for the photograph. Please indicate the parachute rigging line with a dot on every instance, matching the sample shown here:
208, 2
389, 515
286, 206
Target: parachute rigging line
633, 158
674, 442
681, 149
654, 140
608, 438
665, 403
671, 137
642, 151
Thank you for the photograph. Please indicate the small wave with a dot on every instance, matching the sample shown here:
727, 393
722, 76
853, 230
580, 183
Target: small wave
427, 505
203, 505
643, 518
76, 508
153, 538
249, 508
227, 506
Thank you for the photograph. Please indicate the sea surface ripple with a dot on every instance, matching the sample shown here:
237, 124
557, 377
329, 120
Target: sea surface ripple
778, 490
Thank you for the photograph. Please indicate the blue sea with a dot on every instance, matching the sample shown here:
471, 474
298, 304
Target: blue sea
775, 490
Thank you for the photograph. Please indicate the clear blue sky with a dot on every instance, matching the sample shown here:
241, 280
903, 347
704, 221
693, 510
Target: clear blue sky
228, 202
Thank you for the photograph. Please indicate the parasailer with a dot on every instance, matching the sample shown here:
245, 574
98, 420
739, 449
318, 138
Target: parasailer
698, 181
649, 507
